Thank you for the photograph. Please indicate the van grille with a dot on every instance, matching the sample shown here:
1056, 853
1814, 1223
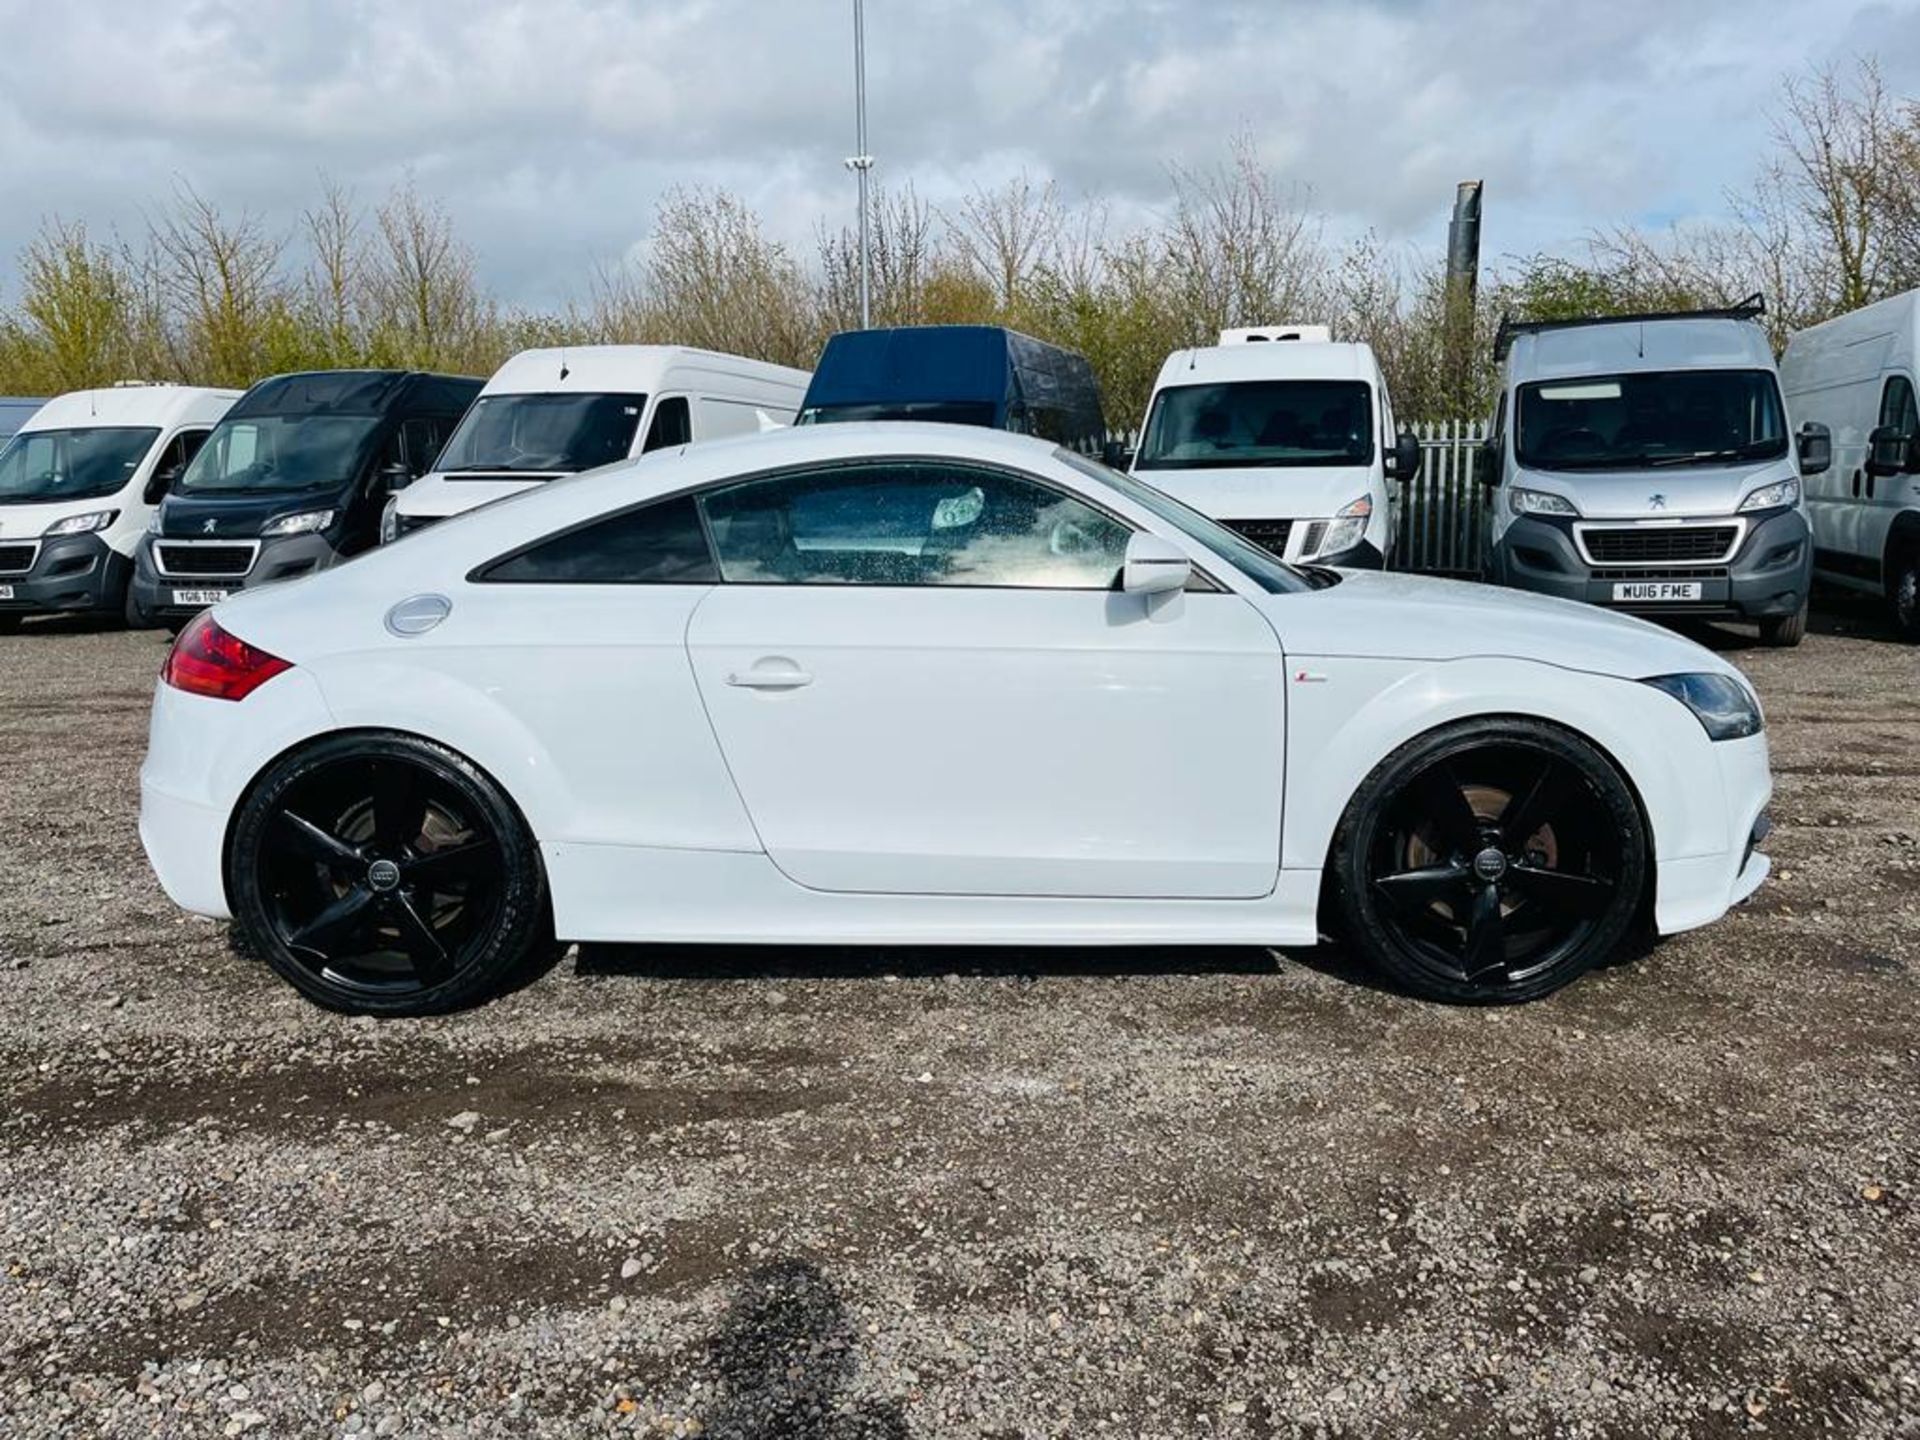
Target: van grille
205, 559
17, 559
1660, 544
1267, 534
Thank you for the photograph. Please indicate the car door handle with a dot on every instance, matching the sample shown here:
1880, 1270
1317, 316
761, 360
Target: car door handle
789, 679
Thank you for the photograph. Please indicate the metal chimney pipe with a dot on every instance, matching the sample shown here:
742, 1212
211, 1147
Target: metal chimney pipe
1463, 240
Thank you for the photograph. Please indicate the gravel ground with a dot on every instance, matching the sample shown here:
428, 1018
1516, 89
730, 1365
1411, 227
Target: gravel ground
983, 1193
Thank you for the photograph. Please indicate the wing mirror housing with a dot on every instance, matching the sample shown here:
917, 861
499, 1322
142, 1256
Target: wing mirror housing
1154, 566
1403, 462
392, 477
1116, 455
1486, 462
1890, 452
160, 482
1814, 445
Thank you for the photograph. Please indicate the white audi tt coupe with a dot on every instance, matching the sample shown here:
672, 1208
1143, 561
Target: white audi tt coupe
932, 685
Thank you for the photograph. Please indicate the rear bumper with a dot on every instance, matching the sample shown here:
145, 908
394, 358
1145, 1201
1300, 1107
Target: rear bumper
185, 842
1768, 576
284, 557
72, 574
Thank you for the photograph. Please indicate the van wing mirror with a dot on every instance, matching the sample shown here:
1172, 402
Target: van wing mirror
1404, 462
1814, 444
1486, 462
1154, 566
1890, 451
392, 476
159, 483
1116, 455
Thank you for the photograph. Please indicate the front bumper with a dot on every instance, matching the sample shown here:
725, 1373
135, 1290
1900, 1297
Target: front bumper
281, 557
1768, 575
71, 574
1696, 890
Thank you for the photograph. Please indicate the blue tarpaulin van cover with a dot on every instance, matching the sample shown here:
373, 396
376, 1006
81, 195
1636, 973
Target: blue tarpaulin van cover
968, 374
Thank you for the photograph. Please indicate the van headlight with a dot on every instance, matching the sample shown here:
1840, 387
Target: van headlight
1726, 709
305, 523
82, 524
1539, 502
1772, 497
1349, 526
390, 520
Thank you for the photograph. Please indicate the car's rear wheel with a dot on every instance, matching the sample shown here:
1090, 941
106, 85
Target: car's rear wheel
1490, 862
386, 875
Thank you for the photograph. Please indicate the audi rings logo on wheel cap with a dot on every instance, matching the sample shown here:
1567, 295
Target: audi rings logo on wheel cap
1490, 864
383, 875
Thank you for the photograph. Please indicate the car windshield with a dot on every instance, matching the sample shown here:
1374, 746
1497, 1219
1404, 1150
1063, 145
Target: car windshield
1260, 566
1259, 422
946, 412
554, 434
80, 464
1652, 420
282, 452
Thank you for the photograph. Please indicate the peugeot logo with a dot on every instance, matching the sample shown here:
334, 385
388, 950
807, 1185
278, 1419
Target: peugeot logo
1656, 502
206, 527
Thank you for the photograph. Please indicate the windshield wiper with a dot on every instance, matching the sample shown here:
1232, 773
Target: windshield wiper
1753, 450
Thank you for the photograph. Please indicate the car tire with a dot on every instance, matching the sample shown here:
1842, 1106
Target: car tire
1783, 632
1490, 862
1903, 591
10, 623
383, 874
132, 612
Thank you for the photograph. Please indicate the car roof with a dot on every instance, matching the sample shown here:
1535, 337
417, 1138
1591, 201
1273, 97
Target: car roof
1274, 360
1632, 345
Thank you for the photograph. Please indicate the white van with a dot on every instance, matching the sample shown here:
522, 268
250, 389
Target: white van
1854, 376
1643, 463
78, 484
1285, 435
548, 413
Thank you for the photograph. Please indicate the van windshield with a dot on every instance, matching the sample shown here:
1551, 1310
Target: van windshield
44, 465
1259, 422
1651, 420
944, 412
281, 452
543, 434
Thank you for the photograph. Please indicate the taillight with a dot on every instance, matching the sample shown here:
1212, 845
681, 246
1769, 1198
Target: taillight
206, 660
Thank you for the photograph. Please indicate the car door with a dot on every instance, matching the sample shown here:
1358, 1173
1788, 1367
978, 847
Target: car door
924, 681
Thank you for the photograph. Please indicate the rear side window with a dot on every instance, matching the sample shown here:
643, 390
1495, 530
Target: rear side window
660, 544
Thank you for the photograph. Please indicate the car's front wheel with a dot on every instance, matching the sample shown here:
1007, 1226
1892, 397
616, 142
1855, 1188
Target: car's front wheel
1490, 862
384, 874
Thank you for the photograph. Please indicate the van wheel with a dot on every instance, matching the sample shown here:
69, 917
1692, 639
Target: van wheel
10, 623
1783, 632
132, 613
1903, 591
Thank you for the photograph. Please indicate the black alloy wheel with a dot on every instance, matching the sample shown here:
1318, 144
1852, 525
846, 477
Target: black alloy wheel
1491, 862
385, 875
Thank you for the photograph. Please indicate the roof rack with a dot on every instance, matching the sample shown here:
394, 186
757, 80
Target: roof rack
1753, 306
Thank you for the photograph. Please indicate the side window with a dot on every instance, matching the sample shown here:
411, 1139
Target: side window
672, 424
658, 544
1897, 406
912, 523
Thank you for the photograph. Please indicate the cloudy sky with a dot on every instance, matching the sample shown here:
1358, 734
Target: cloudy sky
549, 127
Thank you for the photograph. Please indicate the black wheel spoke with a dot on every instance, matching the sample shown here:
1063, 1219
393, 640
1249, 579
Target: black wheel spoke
430, 959
318, 844
337, 923
1582, 895
399, 808
1437, 797
468, 861
1525, 814
1419, 890
1486, 935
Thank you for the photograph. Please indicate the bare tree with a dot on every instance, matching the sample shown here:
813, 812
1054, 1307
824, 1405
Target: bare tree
1007, 233
429, 310
334, 286
75, 307
902, 258
220, 278
717, 280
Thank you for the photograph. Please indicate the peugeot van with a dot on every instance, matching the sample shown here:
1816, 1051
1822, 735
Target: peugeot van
293, 480
959, 374
548, 413
1285, 435
1643, 462
79, 481
1852, 381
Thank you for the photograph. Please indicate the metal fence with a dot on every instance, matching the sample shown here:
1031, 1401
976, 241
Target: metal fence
1441, 514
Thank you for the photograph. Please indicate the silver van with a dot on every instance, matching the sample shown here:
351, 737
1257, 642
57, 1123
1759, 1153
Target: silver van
1644, 463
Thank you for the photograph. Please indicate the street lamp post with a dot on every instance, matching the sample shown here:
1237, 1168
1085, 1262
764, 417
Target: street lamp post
862, 162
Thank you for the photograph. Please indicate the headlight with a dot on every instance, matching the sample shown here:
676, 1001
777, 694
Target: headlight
305, 523
1349, 527
1538, 502
82, 524
153, 521
1771, 497
1725, 708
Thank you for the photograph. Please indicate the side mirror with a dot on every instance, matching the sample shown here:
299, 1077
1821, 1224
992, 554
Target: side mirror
1889, 451
1815, 446
1486, 462
1403, 464
1116, 456
159, 483
392, 476
1154, 566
